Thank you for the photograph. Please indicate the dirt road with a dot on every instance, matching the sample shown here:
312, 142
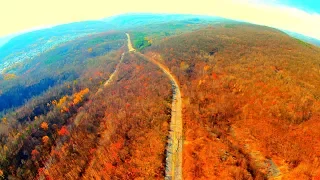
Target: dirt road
130, 47
175, 141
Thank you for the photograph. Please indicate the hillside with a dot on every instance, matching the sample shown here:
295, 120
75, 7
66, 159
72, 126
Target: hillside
31, 76
64, 63
94, 107
250, 102
29, 45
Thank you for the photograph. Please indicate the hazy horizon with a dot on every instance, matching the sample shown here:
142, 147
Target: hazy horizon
206, 89
296, 16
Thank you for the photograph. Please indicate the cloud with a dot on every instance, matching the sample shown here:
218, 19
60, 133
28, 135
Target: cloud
282, 17
18, 15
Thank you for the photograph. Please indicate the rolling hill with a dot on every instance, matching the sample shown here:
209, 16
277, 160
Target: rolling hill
31, 44
92, 106
250, 102
24, 73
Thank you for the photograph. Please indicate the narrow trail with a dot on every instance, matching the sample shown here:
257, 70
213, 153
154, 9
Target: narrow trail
108, 82
175, 144
111, 78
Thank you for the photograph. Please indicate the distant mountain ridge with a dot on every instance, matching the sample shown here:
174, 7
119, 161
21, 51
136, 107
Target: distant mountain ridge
22, 41
31, 44
118, 21
304, 38
136, 19
5, 39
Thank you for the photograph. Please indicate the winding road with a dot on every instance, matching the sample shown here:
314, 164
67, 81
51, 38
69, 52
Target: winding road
175, 141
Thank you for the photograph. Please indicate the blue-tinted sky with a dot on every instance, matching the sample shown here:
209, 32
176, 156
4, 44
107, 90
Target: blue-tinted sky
311, 6
301, 16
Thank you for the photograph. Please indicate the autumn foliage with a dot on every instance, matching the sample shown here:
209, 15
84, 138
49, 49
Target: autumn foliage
44, 126
78, 97
45, 139
122, 132
250, 110
44, 98
63, 131
251, 102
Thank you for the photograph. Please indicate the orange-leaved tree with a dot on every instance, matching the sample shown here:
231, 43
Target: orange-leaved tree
44, 126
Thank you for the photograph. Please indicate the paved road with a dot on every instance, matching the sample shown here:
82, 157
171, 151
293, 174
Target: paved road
175, 143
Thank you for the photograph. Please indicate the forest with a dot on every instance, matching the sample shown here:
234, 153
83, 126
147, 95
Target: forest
89, 109
29, 132
130, 141
250, 109
62, 64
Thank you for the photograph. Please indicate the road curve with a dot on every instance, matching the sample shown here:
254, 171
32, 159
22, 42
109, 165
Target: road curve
175, 144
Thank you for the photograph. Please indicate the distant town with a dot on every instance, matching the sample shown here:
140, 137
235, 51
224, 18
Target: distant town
36, 49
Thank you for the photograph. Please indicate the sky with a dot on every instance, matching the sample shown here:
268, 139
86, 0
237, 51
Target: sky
301, 16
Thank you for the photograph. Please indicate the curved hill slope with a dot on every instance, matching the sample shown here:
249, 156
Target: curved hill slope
251, 101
